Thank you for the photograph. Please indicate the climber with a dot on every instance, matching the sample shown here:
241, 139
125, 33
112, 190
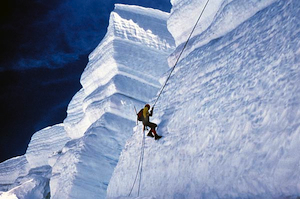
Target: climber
146, 122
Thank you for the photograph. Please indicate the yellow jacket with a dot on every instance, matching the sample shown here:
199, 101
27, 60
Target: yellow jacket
146, 113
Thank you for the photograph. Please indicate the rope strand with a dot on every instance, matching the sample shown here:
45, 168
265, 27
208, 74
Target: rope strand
180, 53
139, 166
142, 163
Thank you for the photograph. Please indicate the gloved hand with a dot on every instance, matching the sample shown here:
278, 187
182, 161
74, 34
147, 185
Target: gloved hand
151, 111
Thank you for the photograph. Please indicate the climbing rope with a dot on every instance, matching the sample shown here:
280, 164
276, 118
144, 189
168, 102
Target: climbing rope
142, 155
140, 166
181, 53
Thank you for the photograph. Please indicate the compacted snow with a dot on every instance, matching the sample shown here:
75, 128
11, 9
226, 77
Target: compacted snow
229, 114
230, 111
76, 159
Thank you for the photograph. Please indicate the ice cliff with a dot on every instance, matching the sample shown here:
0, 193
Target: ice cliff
229, 114
28, 176
76, 159
230, 111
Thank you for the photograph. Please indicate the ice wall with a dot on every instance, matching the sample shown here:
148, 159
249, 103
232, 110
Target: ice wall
44, 144
122, 73
230, 111
219, 18
11, 169
127, 61
28, 176
75, 159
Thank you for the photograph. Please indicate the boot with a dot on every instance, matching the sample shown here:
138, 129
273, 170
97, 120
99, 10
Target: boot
157, 137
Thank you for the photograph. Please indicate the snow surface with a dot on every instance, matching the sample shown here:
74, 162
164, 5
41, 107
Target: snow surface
40, 149
230, 111
122, 72
76, 159
219, 17
11, 169
28, 176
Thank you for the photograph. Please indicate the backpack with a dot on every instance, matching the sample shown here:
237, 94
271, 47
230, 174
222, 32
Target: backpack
140, 116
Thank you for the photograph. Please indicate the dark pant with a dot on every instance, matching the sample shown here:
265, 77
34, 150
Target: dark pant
152, 126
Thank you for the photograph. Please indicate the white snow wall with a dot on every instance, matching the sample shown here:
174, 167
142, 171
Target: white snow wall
122, 72
28, 176
230, 113
78, 156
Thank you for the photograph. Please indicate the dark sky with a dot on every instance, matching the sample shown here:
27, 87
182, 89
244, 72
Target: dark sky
44, 49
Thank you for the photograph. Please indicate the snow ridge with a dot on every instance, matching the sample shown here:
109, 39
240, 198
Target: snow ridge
219, 18
76, 159
111, 86
28, 176
121, 73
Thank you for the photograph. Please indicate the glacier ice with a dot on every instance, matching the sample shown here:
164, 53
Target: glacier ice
122, 72
75, 159
230, 111
218, 18
44, 144
11, 169
28, 176
229, 114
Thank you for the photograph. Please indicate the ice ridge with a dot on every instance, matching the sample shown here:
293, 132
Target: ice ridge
75, 159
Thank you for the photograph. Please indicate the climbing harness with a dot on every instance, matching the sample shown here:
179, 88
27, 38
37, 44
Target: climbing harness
140, 166
180, 54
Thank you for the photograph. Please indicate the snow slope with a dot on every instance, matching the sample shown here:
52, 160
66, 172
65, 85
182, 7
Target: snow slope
230, 111
28, 176
76, 159
121, 73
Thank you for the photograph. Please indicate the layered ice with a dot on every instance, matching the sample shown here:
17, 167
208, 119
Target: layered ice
28, 176
44, 144
122, 73
75, 159
127, 61
229, 114
11, 169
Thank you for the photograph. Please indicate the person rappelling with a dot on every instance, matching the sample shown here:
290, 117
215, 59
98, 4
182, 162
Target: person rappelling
143, 116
